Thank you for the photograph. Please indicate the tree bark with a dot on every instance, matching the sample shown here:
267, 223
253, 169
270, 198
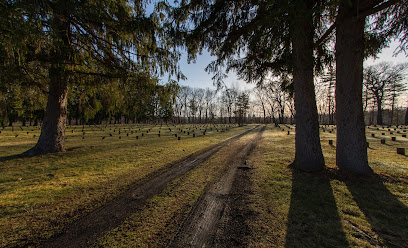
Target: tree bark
52, 135
406, 117
351, 151
308, 154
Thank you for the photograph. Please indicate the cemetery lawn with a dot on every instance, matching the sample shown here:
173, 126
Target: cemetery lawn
329, 208
41, 195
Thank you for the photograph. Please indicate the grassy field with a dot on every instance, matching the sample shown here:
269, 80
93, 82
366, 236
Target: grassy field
329, 208
155, 225
40, 195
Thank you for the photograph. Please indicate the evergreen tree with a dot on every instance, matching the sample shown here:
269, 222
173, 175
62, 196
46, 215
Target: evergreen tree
257, 39
72, 39
351, 148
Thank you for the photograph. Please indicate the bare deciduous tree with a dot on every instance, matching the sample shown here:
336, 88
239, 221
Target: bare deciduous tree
384, 82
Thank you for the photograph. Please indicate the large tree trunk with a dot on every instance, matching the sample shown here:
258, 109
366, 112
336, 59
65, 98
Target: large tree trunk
53, 129
351, 151
406, 117
52, 135
308, 155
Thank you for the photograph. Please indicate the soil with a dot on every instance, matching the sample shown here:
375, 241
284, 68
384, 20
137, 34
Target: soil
218, 219
89, 228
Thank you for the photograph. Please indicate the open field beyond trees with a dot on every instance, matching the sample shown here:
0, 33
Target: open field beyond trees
269, 204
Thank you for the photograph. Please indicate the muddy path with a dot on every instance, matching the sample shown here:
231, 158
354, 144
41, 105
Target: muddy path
217, 219
89, 228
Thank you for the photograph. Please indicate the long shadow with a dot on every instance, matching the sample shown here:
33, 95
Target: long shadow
313, 219
11, 157
387, 215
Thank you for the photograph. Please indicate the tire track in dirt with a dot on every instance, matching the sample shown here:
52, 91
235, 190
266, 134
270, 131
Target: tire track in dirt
89, 228
206, 222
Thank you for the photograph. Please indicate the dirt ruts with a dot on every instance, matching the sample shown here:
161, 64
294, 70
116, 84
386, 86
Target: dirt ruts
213, 221
89, 228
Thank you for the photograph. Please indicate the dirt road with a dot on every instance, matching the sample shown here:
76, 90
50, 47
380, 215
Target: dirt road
213, 222
88, 229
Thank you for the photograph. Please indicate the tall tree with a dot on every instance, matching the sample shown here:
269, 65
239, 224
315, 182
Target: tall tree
351, 149
385, 82
70, 38
257, 39
308, 154
242, 107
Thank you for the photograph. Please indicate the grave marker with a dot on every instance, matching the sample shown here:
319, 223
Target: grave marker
401, 150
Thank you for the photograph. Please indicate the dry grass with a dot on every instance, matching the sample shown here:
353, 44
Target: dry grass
40, 195
329, 208
157, 224
291, 208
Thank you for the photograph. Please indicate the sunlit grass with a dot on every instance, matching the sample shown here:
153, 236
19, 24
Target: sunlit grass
157, 224
40, 195
330, 208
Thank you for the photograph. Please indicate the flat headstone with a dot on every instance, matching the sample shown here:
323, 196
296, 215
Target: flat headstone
401, 150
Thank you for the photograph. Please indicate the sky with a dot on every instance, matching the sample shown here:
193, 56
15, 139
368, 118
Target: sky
197, 77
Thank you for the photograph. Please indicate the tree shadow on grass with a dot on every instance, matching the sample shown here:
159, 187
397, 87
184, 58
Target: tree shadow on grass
11, 157
387, 215
313, 219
